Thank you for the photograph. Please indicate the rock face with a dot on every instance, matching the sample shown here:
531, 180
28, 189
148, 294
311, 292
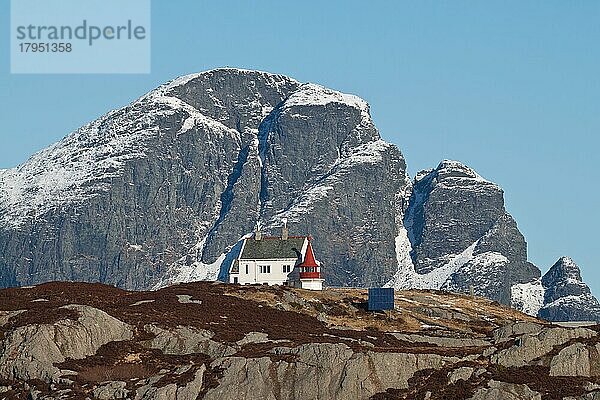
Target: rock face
346, 375
75, 340
460, 235
30, 351
162, 190
560, 295
507, 391
566, 296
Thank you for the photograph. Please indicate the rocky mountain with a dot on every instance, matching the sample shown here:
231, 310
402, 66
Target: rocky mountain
566, 296
162, 190
458, 235
560, 295
215, 341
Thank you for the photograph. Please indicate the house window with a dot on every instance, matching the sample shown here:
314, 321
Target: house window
235, 279
246, 269
264, 269
287, 269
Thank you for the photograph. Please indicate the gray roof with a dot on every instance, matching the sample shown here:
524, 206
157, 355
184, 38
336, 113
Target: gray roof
269, 248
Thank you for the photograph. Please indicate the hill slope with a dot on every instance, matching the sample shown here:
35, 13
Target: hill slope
216, 341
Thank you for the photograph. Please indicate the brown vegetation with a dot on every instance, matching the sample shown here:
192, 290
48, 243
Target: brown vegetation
290, 317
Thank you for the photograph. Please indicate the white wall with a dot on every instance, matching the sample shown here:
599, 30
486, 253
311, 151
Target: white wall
312, 284
275, 277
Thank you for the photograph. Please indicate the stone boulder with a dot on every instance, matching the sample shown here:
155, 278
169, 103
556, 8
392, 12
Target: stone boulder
30, 352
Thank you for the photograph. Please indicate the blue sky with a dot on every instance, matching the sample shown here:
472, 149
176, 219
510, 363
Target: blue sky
511, 88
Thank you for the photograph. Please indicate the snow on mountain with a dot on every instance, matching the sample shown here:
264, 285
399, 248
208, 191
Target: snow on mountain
456, 171
301, 205
364, 149
275, 81
456, 234
528, 297
566, 296
406, 277
82, 164
314, 95
160, 192
74, 169
370, 152
560, 295
183, 271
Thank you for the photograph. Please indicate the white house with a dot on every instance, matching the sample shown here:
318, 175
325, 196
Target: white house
280, 260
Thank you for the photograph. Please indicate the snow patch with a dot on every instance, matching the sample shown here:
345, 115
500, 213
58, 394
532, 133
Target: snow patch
312, 94
368, 153
195, 118
527, 297
570, 300
134, 247
183, 271
455, 172
139, 303
407, 278
197, 271
403, 249
187, 299
301, 205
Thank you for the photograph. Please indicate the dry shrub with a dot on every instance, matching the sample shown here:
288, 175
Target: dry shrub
119, 372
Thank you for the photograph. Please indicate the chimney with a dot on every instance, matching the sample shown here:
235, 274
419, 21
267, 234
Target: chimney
284, 230
257, 233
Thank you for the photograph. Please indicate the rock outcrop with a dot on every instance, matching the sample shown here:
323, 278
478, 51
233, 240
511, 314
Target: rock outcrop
566, 296
217, 341
29, 352
560, 295
509, 391
460, 236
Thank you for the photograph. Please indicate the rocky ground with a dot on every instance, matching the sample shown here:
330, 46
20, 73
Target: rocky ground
217, 341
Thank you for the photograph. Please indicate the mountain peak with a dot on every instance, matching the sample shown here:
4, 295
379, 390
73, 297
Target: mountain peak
566, 296
161, 190
567, 261
563, 269
84, 163
222, 73
455, 169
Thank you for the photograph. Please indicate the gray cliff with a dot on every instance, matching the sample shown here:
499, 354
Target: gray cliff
566, 296
461, 236
161, 191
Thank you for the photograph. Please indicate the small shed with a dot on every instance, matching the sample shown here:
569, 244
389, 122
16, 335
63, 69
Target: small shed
381, 299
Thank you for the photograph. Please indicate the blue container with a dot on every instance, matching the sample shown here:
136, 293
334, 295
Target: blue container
381, 299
